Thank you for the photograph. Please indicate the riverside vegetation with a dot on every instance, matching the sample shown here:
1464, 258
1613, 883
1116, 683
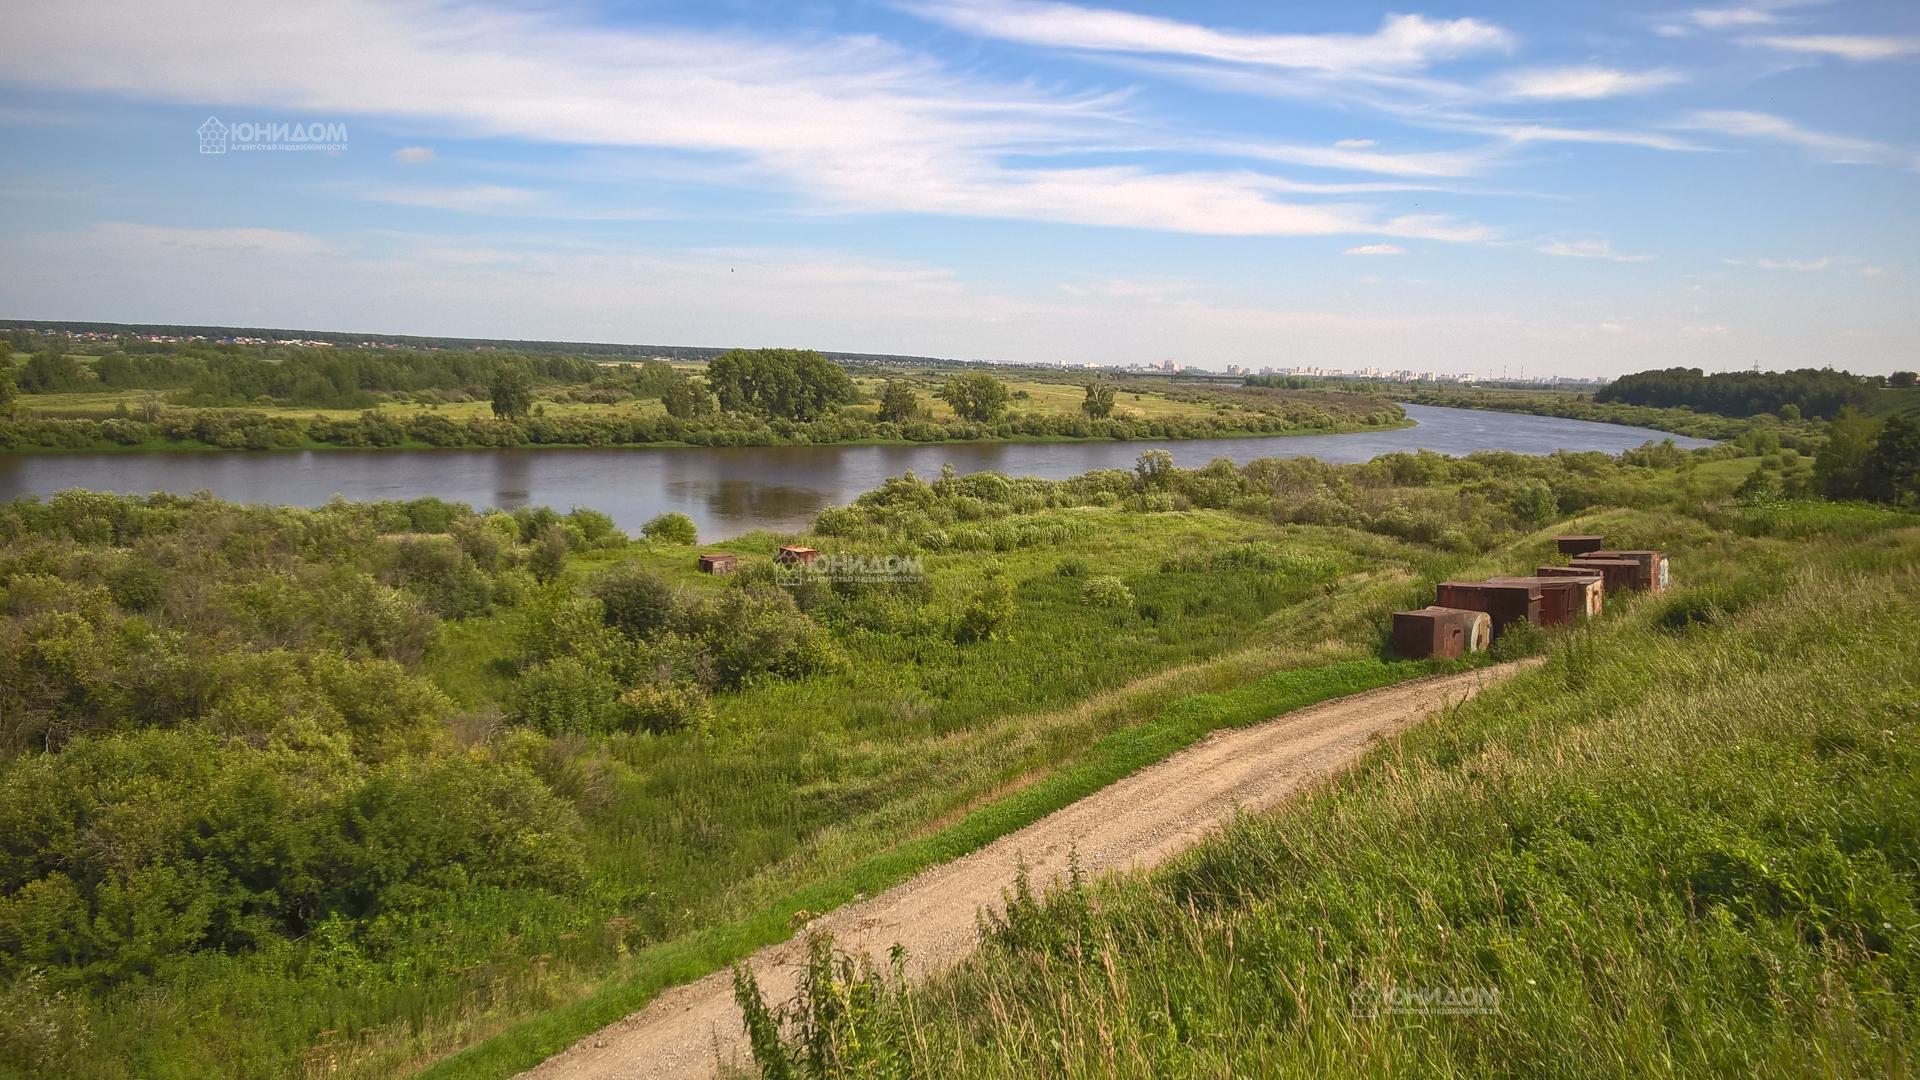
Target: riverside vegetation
137, 395
359, 789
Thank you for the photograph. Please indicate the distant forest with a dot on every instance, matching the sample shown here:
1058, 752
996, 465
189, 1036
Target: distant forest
1811, 393
412, 341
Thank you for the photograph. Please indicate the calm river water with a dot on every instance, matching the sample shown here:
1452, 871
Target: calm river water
732, 490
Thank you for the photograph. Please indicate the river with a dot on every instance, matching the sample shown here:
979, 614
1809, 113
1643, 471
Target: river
731, 490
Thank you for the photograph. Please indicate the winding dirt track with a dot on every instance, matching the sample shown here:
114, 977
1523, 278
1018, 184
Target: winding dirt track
1135, 823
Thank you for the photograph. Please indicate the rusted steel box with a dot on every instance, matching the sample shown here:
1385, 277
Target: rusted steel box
1440, 631
1579, 545
1653, 565
721, 563
1619, 573
1506, 604
1595, 582
1562, 599
794, 554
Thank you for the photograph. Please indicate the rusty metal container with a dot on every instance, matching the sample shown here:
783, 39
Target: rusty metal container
720, 563
1440, 631
1595, 582
1505, 604
1653, 565
1563, 600
794, 554
1579, 545
1618, 573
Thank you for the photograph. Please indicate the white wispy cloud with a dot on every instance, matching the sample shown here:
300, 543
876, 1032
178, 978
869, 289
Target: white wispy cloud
1858, 47
1584, 82
1589, 249
1377, 249
1731, 18
1403, 42
1803, 265
413, 155
472, 197
257, 241
1821, 145
846, 125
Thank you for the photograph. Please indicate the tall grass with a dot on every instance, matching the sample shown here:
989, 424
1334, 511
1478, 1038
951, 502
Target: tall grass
1685, 845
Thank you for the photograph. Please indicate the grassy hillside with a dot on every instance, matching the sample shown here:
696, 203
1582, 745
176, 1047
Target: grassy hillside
367, 788
1688, 844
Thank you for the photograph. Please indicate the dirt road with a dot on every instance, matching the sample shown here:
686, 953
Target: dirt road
1133, 824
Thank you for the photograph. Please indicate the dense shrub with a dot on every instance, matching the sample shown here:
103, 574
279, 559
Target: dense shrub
1107, 591
671, 528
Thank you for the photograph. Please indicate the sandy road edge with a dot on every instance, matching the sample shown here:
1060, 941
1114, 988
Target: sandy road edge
1134, 823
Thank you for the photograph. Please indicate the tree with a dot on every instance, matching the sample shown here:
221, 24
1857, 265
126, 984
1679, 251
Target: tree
1099, 402
793, 384
1902, 378
512, 393
1789, 412
8, 391
1891, 472
686, 399
975, 396
50, 371
898, 402
1840, 467
1153, 469
549, 556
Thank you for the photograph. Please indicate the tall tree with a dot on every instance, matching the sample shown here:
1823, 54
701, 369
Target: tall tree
898, 402
1891, 472
1840, 467
1099, 401
975, 396
512, 393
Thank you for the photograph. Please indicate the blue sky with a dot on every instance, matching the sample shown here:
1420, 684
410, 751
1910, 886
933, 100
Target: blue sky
1486, 187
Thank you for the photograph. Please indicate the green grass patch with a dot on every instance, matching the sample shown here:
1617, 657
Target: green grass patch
1114, 756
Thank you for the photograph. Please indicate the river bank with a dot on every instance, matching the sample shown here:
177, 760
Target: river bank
733, 490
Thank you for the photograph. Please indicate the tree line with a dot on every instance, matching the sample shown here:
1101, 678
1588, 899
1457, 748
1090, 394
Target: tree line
1809, 392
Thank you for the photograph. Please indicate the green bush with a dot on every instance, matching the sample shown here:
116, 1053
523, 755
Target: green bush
566, 695
988, 612
671, 528
1107, 592
634, 601
665, 708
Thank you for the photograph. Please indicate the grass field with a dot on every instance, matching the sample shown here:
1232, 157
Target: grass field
1687, 845
1050, 398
